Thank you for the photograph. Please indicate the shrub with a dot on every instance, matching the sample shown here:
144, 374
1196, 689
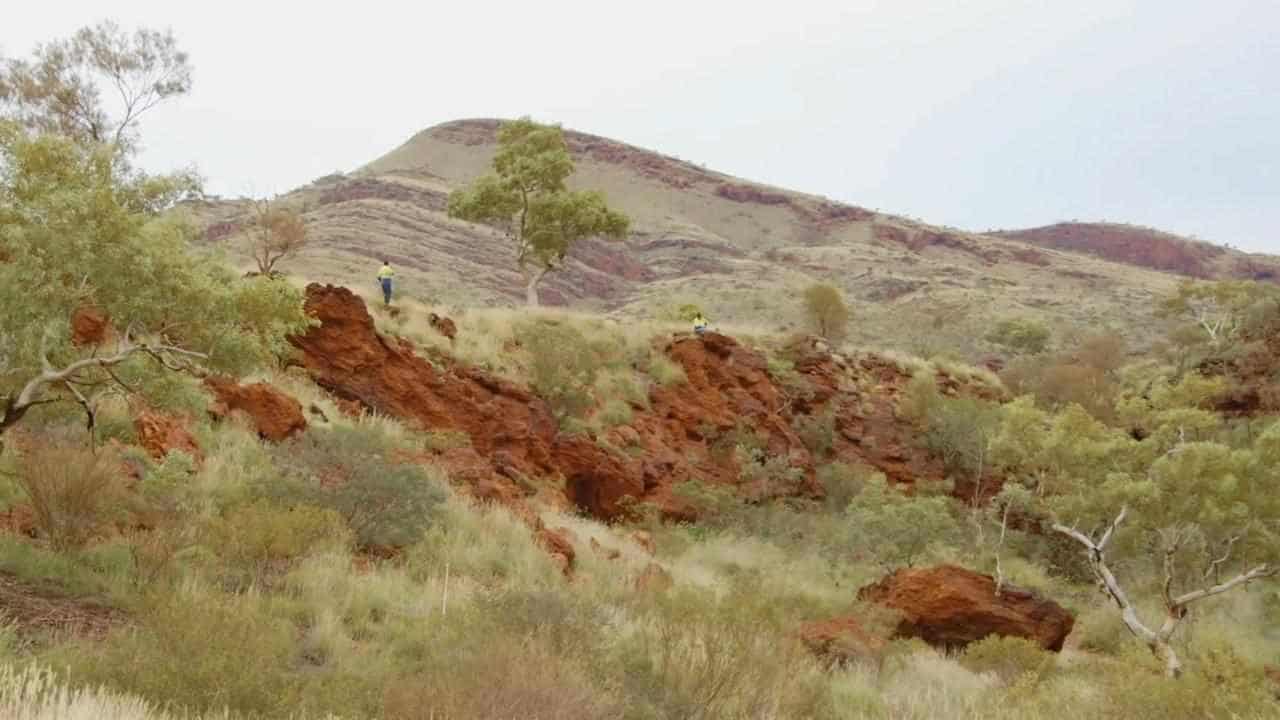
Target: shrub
624, 385
347, 469
442, 440
896, 527
818, 431
826, 311
665, 371
500, 676
1007, 657
73, 493
199, 650
616, 411
843, 482
262, 539
562, 366
1020, 336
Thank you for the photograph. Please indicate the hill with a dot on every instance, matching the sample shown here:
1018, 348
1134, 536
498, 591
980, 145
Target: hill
739, 249
1153, 249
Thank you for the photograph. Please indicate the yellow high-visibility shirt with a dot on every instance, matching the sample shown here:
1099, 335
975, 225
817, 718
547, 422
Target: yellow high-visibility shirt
386, 272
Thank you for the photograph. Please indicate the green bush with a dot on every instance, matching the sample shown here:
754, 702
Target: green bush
665, 371
351, 470
1007, 657
261, 539
562, 366
826, 311
843, 482
1021, 336
818, 431
899, 529
616, 411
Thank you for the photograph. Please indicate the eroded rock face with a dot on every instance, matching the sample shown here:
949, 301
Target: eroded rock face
862, 395
159, 434
948, 606
840, 640
443, 325
275, 415
514, 436
90, 327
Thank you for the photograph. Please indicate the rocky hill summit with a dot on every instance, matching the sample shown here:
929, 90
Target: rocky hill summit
734, 247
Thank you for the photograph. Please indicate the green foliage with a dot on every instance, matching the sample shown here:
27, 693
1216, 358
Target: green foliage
615, 411
351, 470
261, 539
1008, 657
897, 528
562, 366
77, 232
1216, 311
826, 311
843, 482
527, 197
59, 90
665, 371
818, 431
1021, 336
687, 312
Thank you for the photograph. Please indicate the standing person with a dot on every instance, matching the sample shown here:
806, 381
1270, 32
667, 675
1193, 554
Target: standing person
384, 279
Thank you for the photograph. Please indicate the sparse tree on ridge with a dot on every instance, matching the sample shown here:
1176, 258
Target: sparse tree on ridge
276, 233
827, 312
526, 197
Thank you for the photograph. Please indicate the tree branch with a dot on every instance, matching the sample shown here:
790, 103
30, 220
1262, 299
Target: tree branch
1261, 571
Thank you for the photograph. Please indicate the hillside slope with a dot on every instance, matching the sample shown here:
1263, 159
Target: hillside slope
741, 250
1153, 249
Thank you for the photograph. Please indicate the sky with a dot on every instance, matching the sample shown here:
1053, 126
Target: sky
980, 114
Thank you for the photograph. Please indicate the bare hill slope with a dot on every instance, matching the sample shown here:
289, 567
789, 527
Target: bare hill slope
1154, 249
741, 250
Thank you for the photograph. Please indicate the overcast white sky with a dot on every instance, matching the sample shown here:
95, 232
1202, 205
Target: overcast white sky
980, 114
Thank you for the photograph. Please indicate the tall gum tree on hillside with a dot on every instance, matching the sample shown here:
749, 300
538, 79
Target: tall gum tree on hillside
527, 198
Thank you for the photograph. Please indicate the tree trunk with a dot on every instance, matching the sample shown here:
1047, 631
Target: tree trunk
531, 286
1165, 653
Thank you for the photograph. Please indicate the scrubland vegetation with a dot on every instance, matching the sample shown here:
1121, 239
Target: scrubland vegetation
341, 574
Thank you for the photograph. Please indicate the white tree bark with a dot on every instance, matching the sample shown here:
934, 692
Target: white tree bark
1175, 607
532, 278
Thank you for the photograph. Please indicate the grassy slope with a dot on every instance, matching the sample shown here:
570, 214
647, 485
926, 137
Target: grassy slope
475, 621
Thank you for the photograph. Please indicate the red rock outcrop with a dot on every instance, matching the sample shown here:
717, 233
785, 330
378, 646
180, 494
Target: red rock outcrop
514, 433
89, 327
1149, 248
867, 427
840, 640
949, 606
443, 325
275, 415
158, 434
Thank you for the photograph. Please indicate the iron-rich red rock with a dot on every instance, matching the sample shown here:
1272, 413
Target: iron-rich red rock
949, 606
275, 415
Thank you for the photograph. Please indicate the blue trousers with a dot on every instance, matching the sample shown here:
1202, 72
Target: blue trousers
386, 290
